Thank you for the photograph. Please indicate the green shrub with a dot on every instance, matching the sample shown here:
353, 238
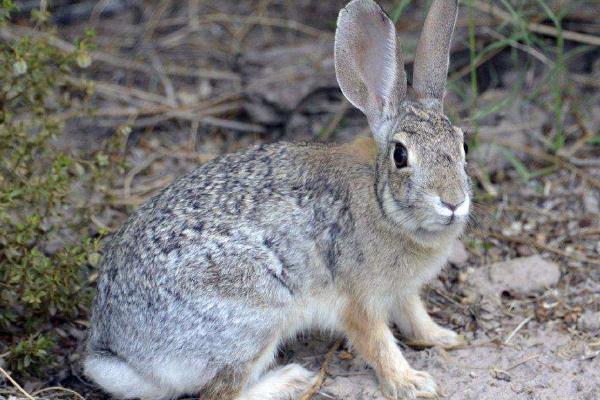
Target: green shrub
47, 249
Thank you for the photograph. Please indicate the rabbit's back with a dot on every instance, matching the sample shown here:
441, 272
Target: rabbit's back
237, 240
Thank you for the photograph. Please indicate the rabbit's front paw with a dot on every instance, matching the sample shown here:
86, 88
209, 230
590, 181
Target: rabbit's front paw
438, 336
410, 384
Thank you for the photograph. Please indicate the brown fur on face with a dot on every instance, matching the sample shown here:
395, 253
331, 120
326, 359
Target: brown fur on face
435, 173
436, 153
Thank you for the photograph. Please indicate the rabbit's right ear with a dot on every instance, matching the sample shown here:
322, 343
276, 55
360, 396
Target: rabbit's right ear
368, 61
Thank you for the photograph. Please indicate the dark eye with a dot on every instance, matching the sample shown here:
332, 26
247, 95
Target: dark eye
400, 156
466, 147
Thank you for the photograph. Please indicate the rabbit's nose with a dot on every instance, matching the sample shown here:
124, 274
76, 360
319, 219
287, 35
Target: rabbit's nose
452, 199
451, 206
456, 209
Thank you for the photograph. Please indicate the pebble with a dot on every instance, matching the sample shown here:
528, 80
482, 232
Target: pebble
590, 202
525, 250
589, 321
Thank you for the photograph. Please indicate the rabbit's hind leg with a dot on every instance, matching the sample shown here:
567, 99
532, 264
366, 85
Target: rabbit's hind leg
288, 382
121, 380
251, 382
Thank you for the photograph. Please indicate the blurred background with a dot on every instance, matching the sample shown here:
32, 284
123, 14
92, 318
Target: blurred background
104, 103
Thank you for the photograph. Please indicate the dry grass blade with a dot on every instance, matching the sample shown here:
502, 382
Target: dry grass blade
582, 141
535, 27
16, 385
464, 71
243, 31
123, 93
595, 182
252, 20
321, 377
525, 360
233, 125
59, 389
164, 77
335, 120
136, 170
527, 49
517, 329
545, 247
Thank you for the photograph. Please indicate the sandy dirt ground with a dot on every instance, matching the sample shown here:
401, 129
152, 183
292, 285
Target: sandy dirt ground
540, 362
524, 285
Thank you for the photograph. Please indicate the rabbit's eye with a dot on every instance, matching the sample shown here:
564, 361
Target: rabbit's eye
466, 147
400, 156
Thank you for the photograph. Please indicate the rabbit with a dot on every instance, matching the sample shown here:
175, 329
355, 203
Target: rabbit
205, 281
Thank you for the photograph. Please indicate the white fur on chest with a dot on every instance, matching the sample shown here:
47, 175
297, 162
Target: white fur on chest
320, 311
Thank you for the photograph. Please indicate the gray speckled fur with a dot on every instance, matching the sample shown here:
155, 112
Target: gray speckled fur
205, 280
206, 269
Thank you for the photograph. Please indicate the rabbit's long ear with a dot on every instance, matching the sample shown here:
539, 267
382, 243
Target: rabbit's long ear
368, 62
433, 52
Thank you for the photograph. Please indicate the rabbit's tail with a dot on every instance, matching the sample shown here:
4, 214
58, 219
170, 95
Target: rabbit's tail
288, 382
120, 380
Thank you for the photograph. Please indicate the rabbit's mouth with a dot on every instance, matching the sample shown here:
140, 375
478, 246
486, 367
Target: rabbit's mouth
449, 223
425, 216
440, 216
451, 220
426, 223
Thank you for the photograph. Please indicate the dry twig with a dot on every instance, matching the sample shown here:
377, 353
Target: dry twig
548, 158
517, 329
523, 361
335, 120
582, 141
321, 377
542, 246
15, 384
59, 389
535, 27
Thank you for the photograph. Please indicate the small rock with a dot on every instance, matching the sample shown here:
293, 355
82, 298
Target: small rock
501, 375
591, 202
523, 275
524, 250
589, 321
458, 254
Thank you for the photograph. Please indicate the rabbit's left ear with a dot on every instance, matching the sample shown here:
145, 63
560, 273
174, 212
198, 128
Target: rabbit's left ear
368, 61
433, 53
